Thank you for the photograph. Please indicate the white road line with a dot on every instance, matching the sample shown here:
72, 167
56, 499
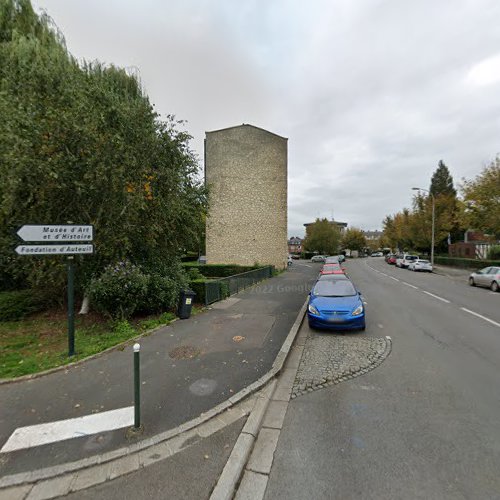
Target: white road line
380, 326
408, 284
481, 316
436, 297
51, 432
393, 278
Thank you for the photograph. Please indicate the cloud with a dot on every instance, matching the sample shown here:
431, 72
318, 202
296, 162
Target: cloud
371, 94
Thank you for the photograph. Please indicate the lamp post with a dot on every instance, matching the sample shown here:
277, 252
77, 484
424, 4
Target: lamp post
433, 218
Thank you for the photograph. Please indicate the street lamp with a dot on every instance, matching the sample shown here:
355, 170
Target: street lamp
433, 209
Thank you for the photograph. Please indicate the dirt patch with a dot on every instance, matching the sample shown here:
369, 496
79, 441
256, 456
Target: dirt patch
184, 352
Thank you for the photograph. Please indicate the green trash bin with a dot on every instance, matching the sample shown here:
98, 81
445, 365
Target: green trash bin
185, 304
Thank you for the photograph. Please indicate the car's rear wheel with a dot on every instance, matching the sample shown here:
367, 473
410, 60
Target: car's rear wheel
494, 286
471, 282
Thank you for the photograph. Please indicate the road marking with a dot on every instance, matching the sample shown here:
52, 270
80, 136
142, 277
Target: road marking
380, 326
436, 297
51, 432
393, 278
481, 316
408, 284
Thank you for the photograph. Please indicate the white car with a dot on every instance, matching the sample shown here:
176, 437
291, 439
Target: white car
405, 260
420, 265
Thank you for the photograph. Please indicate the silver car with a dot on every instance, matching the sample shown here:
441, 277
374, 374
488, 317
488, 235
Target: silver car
318, 258
488, 276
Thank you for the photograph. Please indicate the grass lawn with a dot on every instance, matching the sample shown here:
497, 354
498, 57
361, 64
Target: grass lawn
40, 342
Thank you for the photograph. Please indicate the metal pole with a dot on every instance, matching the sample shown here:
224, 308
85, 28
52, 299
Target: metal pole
433, 222
137, 387
71, 306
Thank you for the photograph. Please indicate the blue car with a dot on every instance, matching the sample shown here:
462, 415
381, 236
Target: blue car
336, 305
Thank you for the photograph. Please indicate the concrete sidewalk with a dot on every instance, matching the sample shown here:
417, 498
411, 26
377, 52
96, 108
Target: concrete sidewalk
187, 369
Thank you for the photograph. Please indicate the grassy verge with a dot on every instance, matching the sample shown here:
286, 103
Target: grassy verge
40, 342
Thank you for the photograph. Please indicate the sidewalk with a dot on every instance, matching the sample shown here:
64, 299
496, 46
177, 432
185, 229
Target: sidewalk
455, 273
187, 369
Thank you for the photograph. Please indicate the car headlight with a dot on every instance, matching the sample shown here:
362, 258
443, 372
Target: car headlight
358, 310
313, 310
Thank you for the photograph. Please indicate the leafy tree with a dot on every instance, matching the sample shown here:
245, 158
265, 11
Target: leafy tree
322, 236
482, 200
354, 239
82, 143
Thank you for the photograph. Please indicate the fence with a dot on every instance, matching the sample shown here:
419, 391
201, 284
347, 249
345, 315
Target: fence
224, 287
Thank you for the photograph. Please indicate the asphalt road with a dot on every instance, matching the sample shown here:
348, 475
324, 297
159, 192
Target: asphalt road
423, 424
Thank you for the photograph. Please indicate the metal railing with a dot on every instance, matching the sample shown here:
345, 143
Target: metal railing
222, 288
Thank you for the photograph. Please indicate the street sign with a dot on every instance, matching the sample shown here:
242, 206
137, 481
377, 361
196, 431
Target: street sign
54, 249
59, 233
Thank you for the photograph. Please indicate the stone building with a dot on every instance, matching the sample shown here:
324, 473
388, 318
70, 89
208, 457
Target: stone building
246, 171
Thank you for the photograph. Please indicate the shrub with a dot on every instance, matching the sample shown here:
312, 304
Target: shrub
494, 253
16, 305
198, 287
161, 294
119, 290
220, 270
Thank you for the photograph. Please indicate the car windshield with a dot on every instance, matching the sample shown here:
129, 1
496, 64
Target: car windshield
422, 261
334, 289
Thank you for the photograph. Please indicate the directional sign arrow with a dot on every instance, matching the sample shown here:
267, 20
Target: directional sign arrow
54, 249
59, 233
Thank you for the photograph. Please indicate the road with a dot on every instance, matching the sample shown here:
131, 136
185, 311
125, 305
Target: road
425, 423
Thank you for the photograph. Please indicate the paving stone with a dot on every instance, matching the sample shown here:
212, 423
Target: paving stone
16, 492
275, 414
252, 487
330, 359
52, 488
262, 456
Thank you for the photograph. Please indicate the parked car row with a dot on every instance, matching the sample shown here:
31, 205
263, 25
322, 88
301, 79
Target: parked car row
331, 259
409, 261
336, 304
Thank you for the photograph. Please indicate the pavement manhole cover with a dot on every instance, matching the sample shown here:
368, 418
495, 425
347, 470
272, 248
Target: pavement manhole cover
184, 352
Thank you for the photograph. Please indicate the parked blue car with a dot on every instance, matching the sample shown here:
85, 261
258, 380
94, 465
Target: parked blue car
336, 305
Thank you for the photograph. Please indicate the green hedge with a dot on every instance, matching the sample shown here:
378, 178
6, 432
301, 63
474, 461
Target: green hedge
198, 287
219, 270
465, 263
18, 304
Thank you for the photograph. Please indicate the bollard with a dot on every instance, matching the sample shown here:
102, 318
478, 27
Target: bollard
137, 387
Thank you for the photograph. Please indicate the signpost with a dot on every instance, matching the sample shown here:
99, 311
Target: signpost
60, 240
54, 249
56, 233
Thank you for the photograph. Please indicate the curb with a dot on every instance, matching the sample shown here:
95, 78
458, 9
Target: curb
21, 484
235, 466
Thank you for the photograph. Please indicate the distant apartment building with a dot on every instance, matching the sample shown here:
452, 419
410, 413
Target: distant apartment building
295, 245
341, 225
373, 235
246, 172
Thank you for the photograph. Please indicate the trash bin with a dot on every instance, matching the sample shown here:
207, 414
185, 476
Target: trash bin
185, 304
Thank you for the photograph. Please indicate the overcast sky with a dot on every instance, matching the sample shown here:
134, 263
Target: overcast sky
371, 94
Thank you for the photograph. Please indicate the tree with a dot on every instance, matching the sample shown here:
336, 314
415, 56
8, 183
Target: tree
82, 143
323, 237
442, 181
354, 239
482, 200
446, 207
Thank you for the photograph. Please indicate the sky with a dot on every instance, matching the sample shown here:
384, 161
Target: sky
371, 94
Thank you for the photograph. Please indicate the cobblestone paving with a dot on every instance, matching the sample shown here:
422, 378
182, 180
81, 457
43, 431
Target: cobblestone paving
330, 359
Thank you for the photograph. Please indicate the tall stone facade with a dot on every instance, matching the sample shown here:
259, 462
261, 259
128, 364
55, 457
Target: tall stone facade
246, 171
